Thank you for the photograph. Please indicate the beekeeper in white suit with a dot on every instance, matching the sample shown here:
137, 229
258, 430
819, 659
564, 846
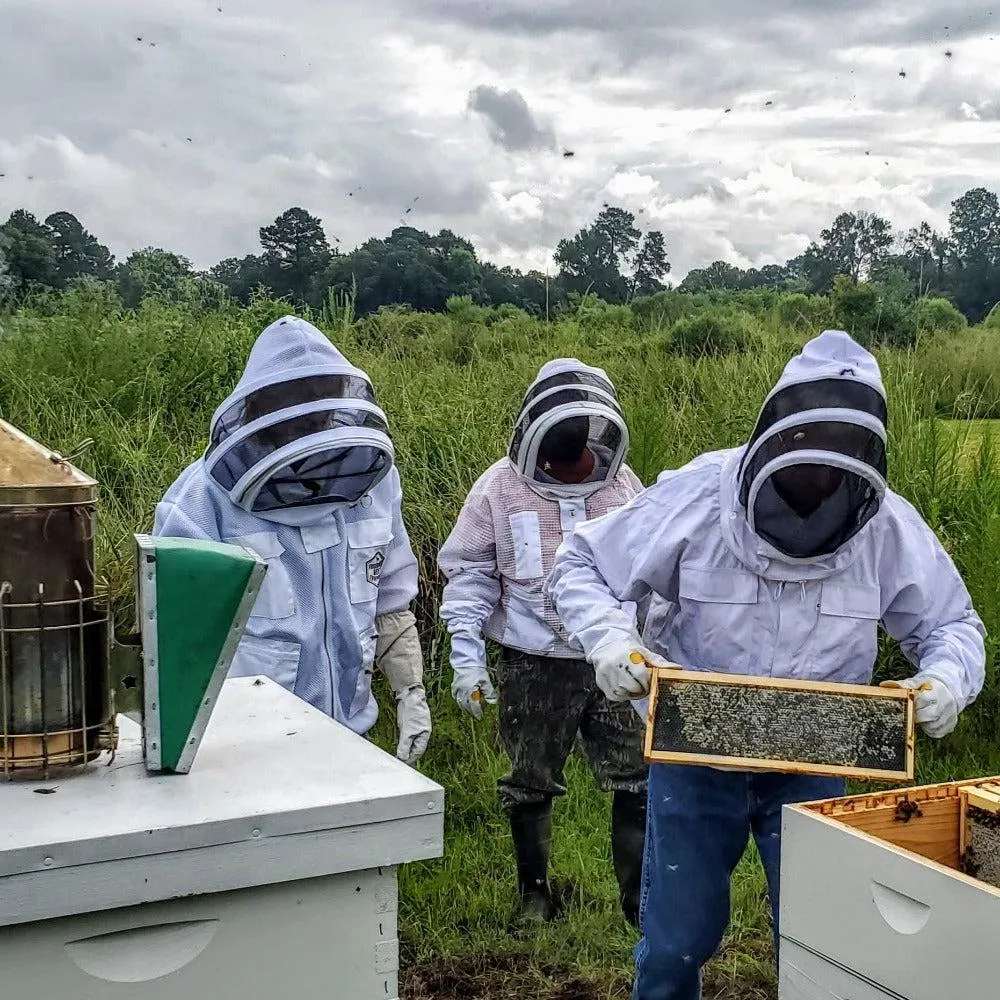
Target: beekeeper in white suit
300, 468
779, 558
565, 464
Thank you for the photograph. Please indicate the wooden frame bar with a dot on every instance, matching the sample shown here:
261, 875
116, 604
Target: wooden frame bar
669, 674
923, 821
984, 796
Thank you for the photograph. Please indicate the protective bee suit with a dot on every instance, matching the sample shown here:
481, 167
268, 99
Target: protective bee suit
780, 558
565, 465
300, 468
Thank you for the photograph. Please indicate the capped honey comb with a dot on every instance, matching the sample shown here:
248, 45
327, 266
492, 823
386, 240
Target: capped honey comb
771, 724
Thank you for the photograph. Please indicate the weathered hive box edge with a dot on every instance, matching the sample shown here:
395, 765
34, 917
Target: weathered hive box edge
871, 884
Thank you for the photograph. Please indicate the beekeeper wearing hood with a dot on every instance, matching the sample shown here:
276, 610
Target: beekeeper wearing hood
779, 559
300, 468
565, 465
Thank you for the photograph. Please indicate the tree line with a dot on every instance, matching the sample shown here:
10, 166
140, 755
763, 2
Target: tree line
611, 258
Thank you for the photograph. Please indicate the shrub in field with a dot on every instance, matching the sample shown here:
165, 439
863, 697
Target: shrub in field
396, 328
758, 302
805, 313
711, 333
463, 310
506, 311
466, 322
608, 327
936, 315
462, 344
874, 314
659, 312
605, 317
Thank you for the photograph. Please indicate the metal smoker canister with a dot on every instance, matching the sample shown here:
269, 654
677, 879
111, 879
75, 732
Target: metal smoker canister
55, 699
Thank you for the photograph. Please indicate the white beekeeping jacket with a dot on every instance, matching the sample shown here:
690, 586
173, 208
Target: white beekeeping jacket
498, 555
728, 599
335, 563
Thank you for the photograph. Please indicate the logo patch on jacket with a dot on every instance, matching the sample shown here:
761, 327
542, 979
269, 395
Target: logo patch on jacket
373, 568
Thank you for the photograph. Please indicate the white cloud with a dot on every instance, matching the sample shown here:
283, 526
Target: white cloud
214, 122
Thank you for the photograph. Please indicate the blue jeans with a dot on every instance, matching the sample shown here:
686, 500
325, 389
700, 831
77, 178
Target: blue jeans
698, 824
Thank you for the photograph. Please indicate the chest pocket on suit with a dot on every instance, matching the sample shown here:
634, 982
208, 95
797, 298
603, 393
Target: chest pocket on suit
847, 630
527, 535
716, 618
367, 548
276, 599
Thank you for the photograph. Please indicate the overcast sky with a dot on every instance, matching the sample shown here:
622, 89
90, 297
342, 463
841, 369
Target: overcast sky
738, 127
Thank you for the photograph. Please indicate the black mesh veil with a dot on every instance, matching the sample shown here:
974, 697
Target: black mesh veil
815, 470
561, 418
317, 439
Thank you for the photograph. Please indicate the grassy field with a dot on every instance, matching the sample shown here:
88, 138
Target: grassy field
974, 439
132, 395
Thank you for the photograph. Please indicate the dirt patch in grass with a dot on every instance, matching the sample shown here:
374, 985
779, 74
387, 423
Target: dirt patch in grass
513, 976
501, 977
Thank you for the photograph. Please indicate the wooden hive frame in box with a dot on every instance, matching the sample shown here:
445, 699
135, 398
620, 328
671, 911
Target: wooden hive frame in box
979, 834
790, 725
875, 902
924, 820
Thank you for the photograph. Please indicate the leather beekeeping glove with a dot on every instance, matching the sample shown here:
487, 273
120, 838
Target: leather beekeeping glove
471, 685
622, 666
398, 656
936, 707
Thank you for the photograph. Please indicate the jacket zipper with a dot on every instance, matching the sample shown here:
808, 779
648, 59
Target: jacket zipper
334, 692
777, 629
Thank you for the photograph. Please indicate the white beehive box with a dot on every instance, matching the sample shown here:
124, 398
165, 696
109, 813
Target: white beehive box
874, 903
268, 871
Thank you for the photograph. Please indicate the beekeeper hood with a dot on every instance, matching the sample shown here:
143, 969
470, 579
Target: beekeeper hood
301, 432
814, 472
570, 408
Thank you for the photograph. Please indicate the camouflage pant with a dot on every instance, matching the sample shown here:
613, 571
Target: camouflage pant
544, 704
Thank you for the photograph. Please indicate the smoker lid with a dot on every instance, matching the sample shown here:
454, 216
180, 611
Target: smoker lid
31, 474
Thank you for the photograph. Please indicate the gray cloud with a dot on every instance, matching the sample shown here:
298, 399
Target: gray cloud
509, 119
216, 121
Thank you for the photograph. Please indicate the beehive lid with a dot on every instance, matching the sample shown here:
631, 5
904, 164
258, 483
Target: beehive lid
33, 474
279, 791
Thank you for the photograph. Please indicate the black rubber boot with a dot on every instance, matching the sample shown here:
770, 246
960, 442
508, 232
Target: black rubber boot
531, 830
628, 832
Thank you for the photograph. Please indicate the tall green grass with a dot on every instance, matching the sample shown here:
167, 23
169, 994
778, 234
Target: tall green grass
132, 395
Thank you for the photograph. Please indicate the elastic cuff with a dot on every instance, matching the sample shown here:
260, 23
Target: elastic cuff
468, 653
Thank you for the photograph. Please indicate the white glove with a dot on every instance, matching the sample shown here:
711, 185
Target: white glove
622, 665
471, 684
470, 690
937, 710
414, 719
397, 653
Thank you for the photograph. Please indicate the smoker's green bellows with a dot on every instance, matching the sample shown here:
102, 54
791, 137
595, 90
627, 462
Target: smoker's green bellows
194, 598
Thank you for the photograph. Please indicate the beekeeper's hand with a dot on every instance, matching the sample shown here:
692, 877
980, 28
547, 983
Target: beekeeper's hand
397, 655
937, 710
414, 719
622, 664
470, 685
